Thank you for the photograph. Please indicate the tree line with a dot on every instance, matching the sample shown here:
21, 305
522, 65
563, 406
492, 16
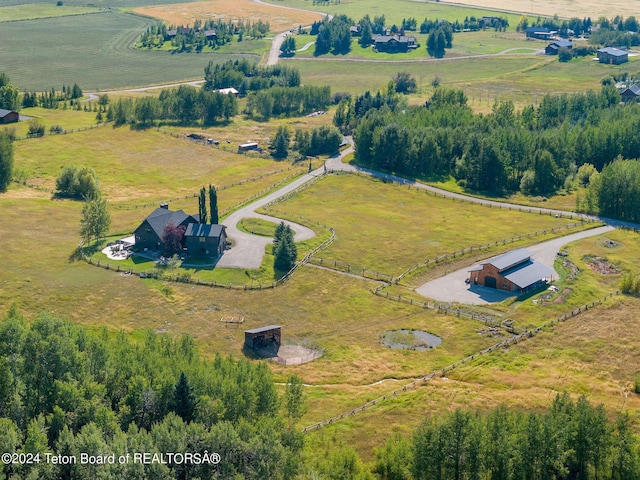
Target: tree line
570, 440
246, 76
288, 101
537, 149
65, 390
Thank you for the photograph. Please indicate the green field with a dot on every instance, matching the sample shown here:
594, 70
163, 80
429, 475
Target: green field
33, 11
93, 51
97, 3
395, 10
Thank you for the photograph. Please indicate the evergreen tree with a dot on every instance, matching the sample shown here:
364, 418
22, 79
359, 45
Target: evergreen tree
213, 205
281, 142
284, 249
6, 162
202, 205
184, 401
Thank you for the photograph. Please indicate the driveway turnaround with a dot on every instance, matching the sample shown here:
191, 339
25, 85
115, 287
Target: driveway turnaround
452, 287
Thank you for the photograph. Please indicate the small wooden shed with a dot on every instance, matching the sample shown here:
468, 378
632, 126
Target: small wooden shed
263, 337
8, 116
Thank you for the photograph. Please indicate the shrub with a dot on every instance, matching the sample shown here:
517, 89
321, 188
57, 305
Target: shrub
36, 128
77, 182
564, 55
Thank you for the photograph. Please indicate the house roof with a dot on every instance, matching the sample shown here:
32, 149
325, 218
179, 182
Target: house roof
263, 329
172, 33
4, 113
204, 230
527, 273
614, 52
161, 217
395, 38
634, 89
563, 43
510, 259
537, 30
210, 33
227, 91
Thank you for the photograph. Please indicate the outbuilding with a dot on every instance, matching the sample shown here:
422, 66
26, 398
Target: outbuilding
613, 56
205, 240
514, 271
8, 116
263, 337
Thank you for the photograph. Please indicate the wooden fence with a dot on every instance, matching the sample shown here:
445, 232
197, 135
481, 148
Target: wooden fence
421, 380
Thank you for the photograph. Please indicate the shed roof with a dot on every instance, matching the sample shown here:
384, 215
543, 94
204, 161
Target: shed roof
4, 113
527, 273
563, 43
509, 259
635, 89
614, 52
204, 230
263, 329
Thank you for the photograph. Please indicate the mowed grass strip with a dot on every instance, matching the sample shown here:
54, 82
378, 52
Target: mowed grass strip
32, 11
279, 19
387, 227
94, 51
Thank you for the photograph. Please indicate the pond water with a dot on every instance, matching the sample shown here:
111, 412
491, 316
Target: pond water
411, 340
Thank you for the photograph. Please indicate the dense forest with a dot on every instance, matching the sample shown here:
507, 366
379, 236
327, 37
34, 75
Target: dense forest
538, 150
67, 391
84, 404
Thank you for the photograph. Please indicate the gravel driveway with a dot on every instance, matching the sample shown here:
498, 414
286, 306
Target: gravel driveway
452, 288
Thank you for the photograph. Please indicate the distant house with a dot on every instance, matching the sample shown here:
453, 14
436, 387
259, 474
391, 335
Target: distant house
171, 34
355, 30
228, 91
204, 240
512, 272
8, 116
149, 235
540, 33
185, 30
394, 43
553, 48
630, 94
613, 56
210, 34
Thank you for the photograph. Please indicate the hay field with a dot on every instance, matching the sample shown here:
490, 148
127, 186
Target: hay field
279, 18
563, 8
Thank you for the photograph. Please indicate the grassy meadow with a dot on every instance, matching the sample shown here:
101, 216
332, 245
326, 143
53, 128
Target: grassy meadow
14, 13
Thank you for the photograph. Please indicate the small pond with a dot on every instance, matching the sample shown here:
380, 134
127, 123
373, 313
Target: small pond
410, 340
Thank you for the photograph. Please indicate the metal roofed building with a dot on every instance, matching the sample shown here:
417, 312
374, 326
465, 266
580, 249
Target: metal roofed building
263, 337
513, 272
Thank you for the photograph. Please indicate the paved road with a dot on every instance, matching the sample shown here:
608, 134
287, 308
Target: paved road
452, 288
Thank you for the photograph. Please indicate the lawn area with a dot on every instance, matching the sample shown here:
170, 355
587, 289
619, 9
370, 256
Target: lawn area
398, 227
32, 11
88, 50
68, 119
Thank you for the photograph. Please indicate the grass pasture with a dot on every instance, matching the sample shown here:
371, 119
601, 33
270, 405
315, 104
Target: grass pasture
93, 51
280, 19
398, 227
32, 11
395, 10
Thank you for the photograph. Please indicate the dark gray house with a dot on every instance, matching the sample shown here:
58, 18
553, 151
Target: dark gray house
553, 48
540, 33
204, 240
630, 94
150, 232
613, 56
394, 43
8, 116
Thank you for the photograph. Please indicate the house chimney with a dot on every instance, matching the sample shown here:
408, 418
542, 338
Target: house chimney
165, 206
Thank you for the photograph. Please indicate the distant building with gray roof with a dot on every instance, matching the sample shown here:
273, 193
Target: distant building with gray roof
514, 271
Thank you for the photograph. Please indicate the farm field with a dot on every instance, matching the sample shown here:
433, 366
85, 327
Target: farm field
394, 11
93, 51
562, 8
279, 19
31, 11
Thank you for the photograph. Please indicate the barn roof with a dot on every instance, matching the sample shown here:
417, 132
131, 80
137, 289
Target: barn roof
527, 273
4, 113
614, 52
204, 230
510, 259
263, 329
